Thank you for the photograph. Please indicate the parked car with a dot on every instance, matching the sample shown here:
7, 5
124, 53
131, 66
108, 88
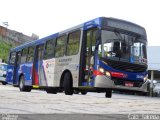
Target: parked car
3, 70
156, 89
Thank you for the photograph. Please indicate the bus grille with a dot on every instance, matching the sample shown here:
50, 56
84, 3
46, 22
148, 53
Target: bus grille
129, 67
118, 81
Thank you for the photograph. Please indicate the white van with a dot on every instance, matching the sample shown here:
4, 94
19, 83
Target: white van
3, 70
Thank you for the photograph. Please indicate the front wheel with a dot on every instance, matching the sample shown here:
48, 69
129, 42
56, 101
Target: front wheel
108, 93
83, 92
67, 84
76, 92
22, 86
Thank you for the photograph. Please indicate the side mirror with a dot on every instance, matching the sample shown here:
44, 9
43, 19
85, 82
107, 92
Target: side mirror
92, 60
98, 38
144, 51
98, 34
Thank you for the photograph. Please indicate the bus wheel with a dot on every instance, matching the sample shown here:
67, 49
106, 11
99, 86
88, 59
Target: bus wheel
4, 83
22, 86
108, 93
76, 92
67, 84
52, 91
83, 92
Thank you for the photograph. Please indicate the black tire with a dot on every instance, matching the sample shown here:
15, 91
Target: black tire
51, 91
67, 84
108, 93
76, 92
4, 83
22, 86
83, 92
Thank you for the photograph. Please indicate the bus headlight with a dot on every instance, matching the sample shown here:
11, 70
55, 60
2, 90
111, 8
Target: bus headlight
108, 74
145, 78
101, 70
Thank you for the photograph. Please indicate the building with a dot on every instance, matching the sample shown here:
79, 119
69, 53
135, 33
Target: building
154, 62
15, 37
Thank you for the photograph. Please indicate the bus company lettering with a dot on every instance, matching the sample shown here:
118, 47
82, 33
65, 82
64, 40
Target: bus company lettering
65, 60
140, 76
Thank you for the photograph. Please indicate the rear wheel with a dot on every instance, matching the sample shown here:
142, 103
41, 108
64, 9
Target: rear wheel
108, 93
22, 86
4, 83
76, 92
83, 92
67, 84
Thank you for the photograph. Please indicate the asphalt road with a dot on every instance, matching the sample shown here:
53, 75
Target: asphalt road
12, 101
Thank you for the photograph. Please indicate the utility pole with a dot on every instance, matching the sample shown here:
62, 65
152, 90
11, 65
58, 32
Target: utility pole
6, 24
5, 36
151, 84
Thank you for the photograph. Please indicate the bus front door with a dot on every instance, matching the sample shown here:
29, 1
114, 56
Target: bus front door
88, 57
13, 67
16, 69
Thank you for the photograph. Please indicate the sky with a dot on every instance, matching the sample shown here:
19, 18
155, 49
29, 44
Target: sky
46, 17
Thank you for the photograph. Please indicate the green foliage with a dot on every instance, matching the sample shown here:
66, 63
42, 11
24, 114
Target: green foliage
4, 49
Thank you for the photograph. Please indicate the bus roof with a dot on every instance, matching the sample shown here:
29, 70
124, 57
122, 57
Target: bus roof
101, 22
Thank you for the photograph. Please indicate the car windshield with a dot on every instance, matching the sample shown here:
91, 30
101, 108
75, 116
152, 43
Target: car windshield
122, 47
3, 67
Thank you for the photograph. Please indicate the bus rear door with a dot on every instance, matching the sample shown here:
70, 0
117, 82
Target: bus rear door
38, 71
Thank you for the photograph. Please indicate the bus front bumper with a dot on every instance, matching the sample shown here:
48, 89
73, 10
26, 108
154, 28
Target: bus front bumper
106, 82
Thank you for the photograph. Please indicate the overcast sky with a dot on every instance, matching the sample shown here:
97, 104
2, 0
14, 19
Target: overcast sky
45, 17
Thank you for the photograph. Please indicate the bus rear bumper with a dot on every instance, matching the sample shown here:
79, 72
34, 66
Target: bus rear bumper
106, 82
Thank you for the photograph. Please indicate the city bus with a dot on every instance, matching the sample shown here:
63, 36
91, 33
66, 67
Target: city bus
99, 55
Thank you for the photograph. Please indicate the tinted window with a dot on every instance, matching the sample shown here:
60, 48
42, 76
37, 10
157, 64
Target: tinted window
49, 52
18, 57
12, 58
60, 46
24, 55
73, 43
30, 55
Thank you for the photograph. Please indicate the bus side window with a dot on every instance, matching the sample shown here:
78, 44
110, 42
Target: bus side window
18, 58
24, 55
73, 43
30, 55
49, 49
60, 46
12, 58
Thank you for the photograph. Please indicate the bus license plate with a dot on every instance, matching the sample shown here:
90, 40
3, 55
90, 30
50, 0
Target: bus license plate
129, 84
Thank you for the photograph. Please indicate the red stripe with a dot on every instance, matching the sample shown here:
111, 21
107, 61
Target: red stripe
96, 72
35, 77
118, 74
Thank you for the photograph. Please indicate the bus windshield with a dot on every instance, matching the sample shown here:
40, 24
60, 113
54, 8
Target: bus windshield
123, 47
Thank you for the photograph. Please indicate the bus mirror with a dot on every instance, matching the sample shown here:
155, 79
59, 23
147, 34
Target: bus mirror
98, 34
92, 60
144, 51
98, 38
